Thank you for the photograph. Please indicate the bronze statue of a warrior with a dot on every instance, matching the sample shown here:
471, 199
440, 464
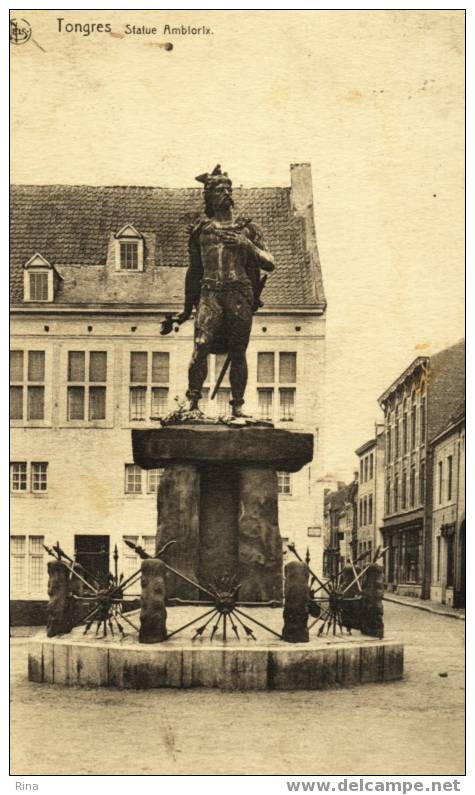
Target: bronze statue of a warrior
223, 283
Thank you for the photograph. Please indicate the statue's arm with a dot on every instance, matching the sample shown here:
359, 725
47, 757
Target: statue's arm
258, 247
193, 277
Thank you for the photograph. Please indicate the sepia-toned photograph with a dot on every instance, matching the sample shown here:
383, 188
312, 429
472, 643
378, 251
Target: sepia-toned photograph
237, 394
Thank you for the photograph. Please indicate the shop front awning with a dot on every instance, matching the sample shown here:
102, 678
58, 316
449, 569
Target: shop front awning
413, 519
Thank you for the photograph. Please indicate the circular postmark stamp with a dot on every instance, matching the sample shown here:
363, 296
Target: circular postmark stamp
20, 31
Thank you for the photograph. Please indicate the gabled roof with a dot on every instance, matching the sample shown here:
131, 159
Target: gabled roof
72, 225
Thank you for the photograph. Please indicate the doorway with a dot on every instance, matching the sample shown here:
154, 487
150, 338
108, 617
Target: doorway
92, 552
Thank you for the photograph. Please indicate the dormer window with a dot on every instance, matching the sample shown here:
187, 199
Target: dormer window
40, 279
129, 249
38, 286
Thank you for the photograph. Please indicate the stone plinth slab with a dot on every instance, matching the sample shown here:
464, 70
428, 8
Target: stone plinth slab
220, 444
234, 666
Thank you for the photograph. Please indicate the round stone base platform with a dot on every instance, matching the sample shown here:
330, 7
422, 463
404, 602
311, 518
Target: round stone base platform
265, 664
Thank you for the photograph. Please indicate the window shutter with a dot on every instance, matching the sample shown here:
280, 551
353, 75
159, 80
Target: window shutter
138, 367
160, 368
76, 366
98, 366
36, 365
265, 368
16, 366
287, 368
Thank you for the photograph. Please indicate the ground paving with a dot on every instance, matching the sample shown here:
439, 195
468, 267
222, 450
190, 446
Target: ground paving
410, 727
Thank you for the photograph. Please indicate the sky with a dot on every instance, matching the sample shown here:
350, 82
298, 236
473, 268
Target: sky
374, 100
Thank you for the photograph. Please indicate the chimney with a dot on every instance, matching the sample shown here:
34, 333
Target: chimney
302, 198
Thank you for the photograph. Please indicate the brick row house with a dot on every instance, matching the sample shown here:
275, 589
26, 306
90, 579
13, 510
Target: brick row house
417, 408
410, 494
94, 270
370, 494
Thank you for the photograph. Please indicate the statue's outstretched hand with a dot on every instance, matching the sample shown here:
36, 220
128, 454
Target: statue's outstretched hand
185, 315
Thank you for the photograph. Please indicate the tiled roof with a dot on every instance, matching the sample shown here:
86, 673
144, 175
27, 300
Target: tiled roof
71, 226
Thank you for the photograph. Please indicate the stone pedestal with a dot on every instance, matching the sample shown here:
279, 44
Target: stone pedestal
218, 500
153, 615
372, 620
296, 606
59, 621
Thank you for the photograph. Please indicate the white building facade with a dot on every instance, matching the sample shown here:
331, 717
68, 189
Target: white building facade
94, 272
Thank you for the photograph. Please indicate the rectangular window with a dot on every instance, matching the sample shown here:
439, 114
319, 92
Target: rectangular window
87, 377
404, 433
284, 485
413, 423
423, 419
422, 482
27, 385
36, 366
133, 479
38, 286
39, 476
449, 477
147, 370
16, 366
396, 436
440, 468
223, 396
361, 471
130, 561
265, 368
412, 488
138, 402
160, 367
153, 479
360, 513
388, 496
159, 405
370, 509
36, 403
287, 404
36, 564
287, 368
371, 466
366, 468
16, 402
365, 512
18, 476
75, 403
388, 445
404, 489
265, 399
97, 403
27, 564
138, 367
396, 494
149, 543
18, 564
129, 259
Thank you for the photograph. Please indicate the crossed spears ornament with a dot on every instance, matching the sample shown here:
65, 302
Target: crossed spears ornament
108, 601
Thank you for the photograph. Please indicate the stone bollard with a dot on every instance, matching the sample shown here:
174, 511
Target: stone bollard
351, 611
372, 622
59, 612
296, 604
153, 615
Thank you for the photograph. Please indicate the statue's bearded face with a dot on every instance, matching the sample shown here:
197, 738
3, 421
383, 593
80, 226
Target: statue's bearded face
221, 195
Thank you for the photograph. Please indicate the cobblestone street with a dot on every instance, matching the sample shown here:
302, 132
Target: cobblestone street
410, 727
